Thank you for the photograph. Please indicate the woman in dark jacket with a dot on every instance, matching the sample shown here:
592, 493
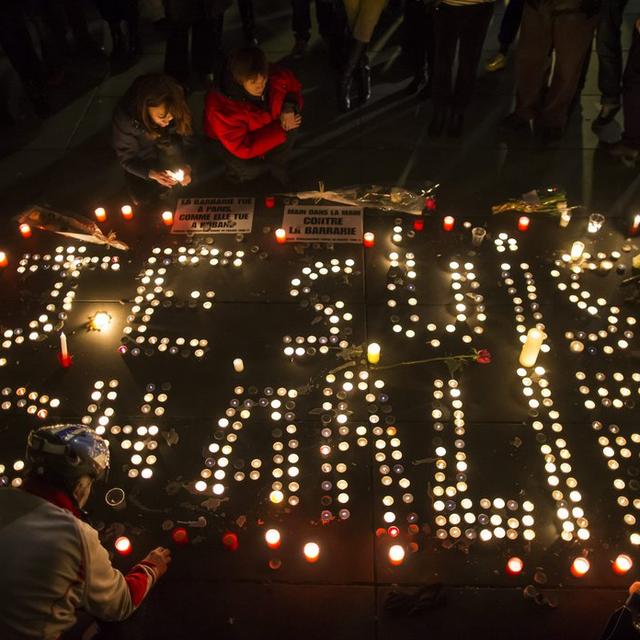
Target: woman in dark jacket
151, 135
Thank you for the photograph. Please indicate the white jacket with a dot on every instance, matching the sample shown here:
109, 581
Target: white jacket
52, 563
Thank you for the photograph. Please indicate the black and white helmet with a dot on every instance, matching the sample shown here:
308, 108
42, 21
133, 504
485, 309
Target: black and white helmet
67, 451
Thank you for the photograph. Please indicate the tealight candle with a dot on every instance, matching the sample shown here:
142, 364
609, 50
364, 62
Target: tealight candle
281, 236
311, 552
418, 224
127, 212
523, 223
123, 545
531, 347
622, 564
514, 566
25, 230
368, 239
576, 250
167, 218
396, 554
269, 202
448, 222
373, 353
565, 216
635, 225
272, 538
238, 365
596, 221
101, 214
4, 260
580, 567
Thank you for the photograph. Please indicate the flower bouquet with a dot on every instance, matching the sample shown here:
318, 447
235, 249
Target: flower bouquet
546, 200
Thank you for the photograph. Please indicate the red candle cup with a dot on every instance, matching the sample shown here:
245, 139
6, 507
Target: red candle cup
4, 260
281, 236
523, 223
448, 222
269, 202
272, 538
514, 566
368, 239
580, 567
418, 224
127, 212
180, 535
25, 230
167, 218
123, 545
101, 214
430, 203
230, 541
622, 564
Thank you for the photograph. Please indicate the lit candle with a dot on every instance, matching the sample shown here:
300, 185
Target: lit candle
373, 353
635, 224
311, 551
177, 175
596, 220
4, 260
565, 215
514, 566
576, 250
448, 222
369, 239
238, 365
396, 554
580, 567
272, 538
25, 230
531, 347
622, 564
281, 236
101, 214
64, 351
418, 224
523, 223
269, 202
167, 218
123, 545
127, 212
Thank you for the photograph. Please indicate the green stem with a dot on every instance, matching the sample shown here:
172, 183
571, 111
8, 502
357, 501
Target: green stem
408, 362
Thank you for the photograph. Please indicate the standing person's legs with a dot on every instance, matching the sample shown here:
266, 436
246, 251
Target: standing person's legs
447, 25
418, 38
301, 25
572, 34
176, 57
247, 15
325, 15
474, 24
631, 96
206, 45
532, 61
364, 21
510, 24
609, 50
77, 18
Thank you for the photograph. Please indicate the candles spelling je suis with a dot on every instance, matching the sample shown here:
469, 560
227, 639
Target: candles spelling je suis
531, 347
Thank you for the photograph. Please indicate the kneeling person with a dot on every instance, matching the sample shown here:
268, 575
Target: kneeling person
254, 115
52, 560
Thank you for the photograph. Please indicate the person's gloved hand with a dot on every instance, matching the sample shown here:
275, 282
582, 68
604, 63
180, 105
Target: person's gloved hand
160, 558
163, 178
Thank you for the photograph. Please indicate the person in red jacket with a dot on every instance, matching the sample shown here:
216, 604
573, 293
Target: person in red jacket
254, 116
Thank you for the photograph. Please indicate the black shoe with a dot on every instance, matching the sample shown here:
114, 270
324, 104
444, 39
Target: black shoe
350, 68
438, 121
515, 123
456, 122
607, 113
364, 77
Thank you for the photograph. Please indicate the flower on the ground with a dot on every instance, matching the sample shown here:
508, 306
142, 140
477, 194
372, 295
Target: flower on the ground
483, 356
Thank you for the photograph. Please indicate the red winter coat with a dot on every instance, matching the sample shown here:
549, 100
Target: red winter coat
244, 128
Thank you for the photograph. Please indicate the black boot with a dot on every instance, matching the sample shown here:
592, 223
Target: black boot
438, 121
364, 76
351, 64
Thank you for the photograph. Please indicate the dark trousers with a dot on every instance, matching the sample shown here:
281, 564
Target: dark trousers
62, 14
631, 95
510, 24
16, 41
468, 26
301, 20
275, 162
419, 36
247, 16
540, 34
609, 50
206, 53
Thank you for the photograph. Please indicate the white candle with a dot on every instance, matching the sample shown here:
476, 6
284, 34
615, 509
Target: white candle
63, 346
531, 347
565, 216
373, 353
576, 250
238, 365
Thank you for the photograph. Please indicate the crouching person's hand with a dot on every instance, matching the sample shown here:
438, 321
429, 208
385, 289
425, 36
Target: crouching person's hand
290, 120
160, 558
187, 176
163, 178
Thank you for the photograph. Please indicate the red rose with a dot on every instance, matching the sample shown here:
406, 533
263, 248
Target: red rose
483, 356
430, 203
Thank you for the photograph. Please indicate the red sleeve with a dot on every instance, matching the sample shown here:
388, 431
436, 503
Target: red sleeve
232, 131
288, 85
140, 580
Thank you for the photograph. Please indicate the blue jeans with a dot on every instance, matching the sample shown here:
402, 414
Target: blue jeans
610, 51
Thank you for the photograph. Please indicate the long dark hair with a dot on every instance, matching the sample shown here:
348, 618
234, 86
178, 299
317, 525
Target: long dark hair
154, 90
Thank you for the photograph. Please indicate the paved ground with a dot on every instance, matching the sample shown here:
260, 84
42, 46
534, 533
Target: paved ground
66, 163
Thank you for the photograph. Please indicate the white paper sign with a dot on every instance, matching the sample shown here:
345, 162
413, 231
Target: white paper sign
213, 215
337, 223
